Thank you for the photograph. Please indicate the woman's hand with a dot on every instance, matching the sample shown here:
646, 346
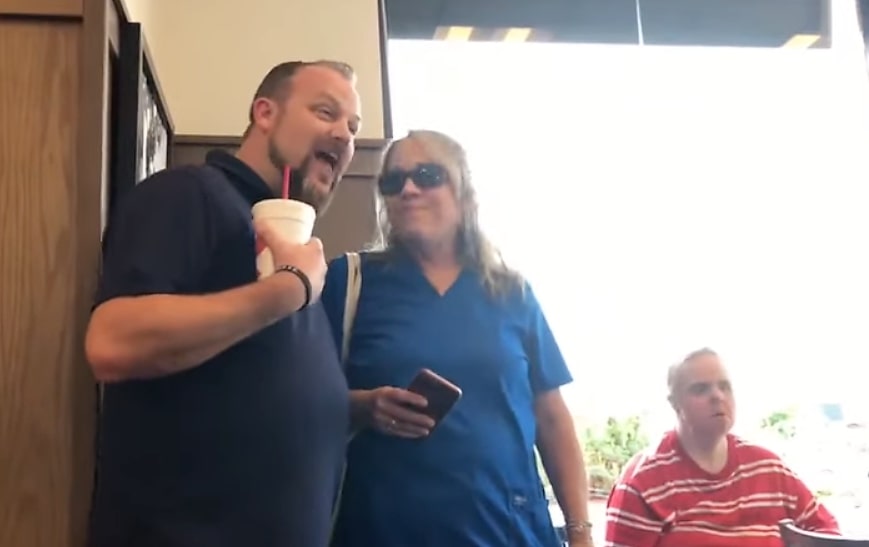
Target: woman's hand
396, 411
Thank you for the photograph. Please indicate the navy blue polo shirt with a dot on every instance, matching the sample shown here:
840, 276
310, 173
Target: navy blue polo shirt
247, 448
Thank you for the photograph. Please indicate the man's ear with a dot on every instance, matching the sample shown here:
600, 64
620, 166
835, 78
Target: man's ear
264, 112
672, 401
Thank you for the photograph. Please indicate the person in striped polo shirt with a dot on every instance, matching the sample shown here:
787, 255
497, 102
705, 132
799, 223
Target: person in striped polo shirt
702, 486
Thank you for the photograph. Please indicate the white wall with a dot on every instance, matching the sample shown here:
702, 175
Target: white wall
211, 54
140, 12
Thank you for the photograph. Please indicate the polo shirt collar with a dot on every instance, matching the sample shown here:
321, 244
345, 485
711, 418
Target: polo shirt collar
245, 179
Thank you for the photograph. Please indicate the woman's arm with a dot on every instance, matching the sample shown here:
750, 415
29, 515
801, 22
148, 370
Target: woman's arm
556, 436
564, 463
360, 408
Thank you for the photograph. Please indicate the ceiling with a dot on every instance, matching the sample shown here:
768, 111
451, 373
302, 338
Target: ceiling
746, 23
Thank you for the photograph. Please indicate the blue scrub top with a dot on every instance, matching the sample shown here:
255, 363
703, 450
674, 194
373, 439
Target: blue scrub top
474, 480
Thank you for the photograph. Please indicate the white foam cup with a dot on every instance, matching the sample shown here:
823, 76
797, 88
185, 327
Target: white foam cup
294, 220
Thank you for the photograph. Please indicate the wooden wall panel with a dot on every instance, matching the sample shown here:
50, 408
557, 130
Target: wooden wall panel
351, 221
53, 99
39, 112
50, 8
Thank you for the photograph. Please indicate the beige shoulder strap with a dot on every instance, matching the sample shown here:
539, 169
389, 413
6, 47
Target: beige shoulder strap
354, 286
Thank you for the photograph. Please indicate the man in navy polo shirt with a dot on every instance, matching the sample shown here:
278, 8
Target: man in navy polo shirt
225, 412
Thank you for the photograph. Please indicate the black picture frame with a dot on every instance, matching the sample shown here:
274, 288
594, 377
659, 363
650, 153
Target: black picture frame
144, 129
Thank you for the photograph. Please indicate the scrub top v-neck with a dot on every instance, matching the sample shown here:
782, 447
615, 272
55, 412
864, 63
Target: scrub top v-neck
474, 480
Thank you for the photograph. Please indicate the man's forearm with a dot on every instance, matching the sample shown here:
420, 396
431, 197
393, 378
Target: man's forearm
158, 335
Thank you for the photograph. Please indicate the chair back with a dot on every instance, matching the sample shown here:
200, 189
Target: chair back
795, 537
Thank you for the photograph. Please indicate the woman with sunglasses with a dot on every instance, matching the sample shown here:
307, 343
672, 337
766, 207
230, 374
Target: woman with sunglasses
438, 296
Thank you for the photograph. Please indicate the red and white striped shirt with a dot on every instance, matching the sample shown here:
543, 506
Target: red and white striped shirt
664, 499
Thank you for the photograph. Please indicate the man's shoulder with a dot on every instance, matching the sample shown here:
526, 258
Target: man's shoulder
185, 180
750, 452
191, 190
654, 464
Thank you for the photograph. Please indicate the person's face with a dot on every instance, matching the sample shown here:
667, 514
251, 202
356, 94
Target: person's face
419, 195
703, 396
313, 132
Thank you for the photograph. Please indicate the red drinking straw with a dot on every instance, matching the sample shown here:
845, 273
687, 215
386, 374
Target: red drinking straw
285, 190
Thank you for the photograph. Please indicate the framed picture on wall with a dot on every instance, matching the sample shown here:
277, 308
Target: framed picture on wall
154, 127
144, 128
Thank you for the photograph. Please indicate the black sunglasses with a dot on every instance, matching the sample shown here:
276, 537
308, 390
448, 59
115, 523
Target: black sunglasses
424, 175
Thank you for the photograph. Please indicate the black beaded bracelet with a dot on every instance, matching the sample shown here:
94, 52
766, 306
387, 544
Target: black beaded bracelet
309, 290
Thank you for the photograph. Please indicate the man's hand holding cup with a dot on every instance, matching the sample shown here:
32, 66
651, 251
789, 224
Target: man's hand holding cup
283, 229
308, 258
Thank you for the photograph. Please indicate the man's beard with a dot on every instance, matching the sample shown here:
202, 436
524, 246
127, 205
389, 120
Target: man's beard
299, 189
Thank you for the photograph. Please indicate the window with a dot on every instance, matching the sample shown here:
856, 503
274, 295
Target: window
663, 199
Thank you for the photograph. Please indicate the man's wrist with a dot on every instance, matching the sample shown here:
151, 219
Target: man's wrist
303, 278
287, 293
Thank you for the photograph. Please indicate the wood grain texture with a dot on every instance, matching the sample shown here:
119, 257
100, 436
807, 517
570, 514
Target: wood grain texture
88, 193
45, 440
42, 8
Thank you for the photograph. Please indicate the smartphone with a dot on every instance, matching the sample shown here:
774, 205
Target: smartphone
440, 393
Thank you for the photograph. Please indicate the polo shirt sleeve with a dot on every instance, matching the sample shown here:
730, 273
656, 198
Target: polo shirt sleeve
547, 366
160, 238
809, 514
334, 295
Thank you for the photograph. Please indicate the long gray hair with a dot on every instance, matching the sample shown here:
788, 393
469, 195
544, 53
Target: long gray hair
473, 248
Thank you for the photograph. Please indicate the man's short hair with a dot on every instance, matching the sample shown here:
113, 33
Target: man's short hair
276, 84
675, 370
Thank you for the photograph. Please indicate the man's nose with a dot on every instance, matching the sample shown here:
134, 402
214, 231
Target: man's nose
341, 132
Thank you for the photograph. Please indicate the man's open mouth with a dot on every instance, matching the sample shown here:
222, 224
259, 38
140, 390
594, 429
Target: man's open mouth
330, 158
